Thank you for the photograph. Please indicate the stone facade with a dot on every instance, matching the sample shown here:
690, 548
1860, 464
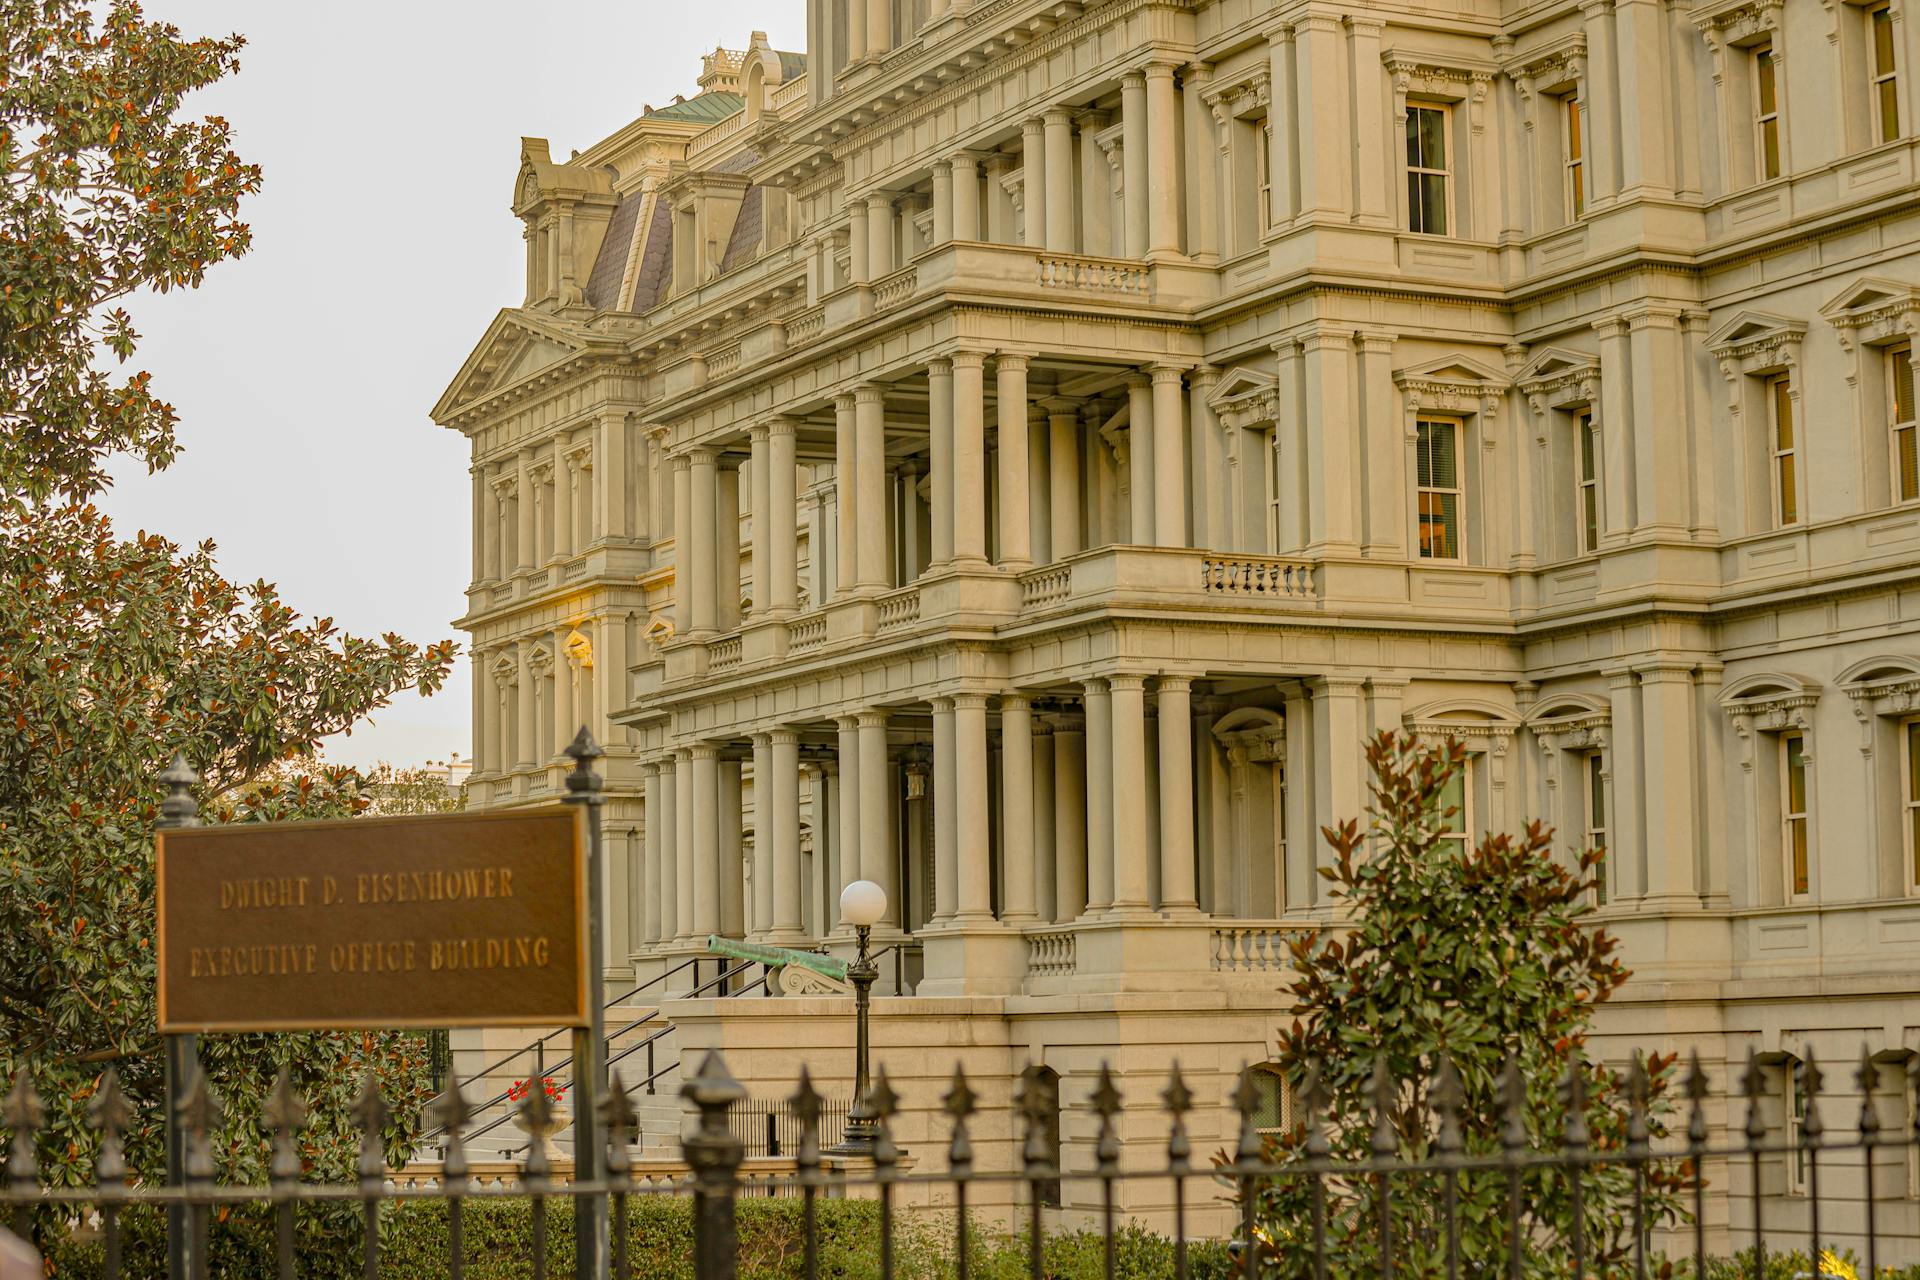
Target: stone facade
1018, 451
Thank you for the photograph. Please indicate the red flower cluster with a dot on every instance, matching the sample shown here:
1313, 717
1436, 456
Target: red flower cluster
519, 1089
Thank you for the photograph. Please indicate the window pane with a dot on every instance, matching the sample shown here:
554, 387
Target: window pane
1889, 111
1427, 203
1579, 191
1763, 74
1427, 131
1597, 799
1801, 883
1453, 797
1583, 426
1789, 502
1782, 414
1906, 443
1441, 437
1573, 128
1770, 149
1901, 360
1796, 774
1439, 526
1269, 1110
1882, 41
1590, 517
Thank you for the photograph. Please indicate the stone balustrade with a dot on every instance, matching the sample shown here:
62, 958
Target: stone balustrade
723, 654
1051, 952
1121, 276
899, 609
808, 632
1250, 947
891, 291
1257, 576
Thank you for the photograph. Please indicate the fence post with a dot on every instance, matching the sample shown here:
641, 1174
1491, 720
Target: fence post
590, 1042
714, 1154
178, 809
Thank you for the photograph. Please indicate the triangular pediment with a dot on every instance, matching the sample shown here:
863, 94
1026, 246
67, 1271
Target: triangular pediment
1453, 369
1556, 362
1870, 294
516, 346
1240, 384
1754, 326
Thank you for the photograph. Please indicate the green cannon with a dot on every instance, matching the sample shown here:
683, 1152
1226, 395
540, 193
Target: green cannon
790, 972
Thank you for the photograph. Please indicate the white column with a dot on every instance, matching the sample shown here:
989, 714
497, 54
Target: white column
783, 806
564, 723
527, 732
877, 861
1045, 900
703, 527
859, 247
1016, 808
1140, 455
1070, 810
1099, 773
856, 32
940, 450
846, 496
486, 526
651, 847
1129, 765
1204, 155
1175, 703
704, 773
670, 846
610, 476
970, 788
1063, 479
733, 878
1059, 178
564, 481
879, 25
762, 562
848, 808
969, 459
760, 919
1033, 181
1169, 458
1280, 150
1163, 207
523, 512
486, 711
870, 486
1207, 527
1016, 553
783, 516
1133, 150
683, 844
682, 545
880, 236
946, 821
942, 202
966, 196
726, 544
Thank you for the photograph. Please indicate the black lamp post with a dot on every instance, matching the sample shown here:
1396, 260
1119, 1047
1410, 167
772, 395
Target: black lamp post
862, 904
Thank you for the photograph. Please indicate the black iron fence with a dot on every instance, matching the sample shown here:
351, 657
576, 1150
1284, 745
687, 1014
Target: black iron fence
1354, 1195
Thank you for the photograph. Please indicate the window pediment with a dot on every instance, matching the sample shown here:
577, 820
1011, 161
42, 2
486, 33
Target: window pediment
1557, 378
1244, 95
1739, 22
1557, 66
1451, 386
1756, 342
1874, 311
1771, 703
1480, 726
1883, 687
1422, 75
1245, 398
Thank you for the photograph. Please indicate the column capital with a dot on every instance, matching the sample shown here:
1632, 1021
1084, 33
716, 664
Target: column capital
869, 393
847, 722
1165, 373
704, 751
783, 737
941, 702
1010, 362
1032, 124
1137, 380
1015, 698
1170, 683
649, 768
1134, 79
761, 739
1161, 68
967, 359
757, 433
1058, 114
703, 455
780, 425
940, 367
969, 701
879, 200
872, 718
844, 401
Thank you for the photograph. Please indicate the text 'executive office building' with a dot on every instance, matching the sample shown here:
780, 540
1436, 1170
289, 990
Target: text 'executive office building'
1017, 451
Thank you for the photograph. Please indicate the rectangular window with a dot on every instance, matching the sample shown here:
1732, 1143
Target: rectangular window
1910, 738
1766, 109
1596, 789
1428, 172
1786, 494
1793, 813
1263, 171
1573, 132
1586, 483
1437, 458
1885, 80
1456, 805
1905, 432
1795, 1084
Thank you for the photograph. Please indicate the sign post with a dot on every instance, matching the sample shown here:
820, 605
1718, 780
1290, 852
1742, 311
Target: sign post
178, 810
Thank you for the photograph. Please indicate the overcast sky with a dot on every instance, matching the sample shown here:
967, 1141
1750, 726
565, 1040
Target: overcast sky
383, 244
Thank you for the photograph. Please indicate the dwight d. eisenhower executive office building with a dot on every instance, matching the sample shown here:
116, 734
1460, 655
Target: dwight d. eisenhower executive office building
1018, 450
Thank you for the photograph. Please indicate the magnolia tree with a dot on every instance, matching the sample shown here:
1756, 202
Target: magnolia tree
117, 651
1460, 978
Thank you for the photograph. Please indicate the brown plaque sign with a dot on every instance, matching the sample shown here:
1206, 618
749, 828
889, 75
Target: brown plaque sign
436, 921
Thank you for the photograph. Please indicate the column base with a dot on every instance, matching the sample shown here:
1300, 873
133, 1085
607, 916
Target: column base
973, 958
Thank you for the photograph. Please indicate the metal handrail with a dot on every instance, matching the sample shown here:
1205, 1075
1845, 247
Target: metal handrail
567, 1061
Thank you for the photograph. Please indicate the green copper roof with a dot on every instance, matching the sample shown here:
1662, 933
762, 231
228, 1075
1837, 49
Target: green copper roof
707, 107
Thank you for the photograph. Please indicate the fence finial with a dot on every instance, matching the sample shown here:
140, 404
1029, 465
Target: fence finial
618, 1118
1513, 1107
370, 1113
1812, 1126
199, 1112
1106, 1105
450, 1114
806, 1106
24, 1115
583, 778
1574, 1134
285, 1112
1246, 1101
1867, 1078
959, 1103
1178, 1100
179, 808
1696, 1101
1385, 1141
109, 1113
1448, 1097
536, 1118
